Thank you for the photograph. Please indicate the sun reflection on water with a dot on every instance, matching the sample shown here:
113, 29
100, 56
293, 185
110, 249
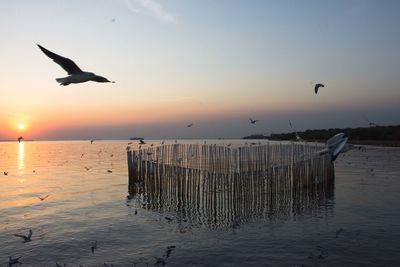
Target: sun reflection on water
21, 157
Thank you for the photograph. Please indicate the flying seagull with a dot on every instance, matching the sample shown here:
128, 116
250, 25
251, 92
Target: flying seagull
295, 132
189, 125
43, 198
253, 121
370, 123
317, 86
141, 141
12, 261
26, 238
76, 75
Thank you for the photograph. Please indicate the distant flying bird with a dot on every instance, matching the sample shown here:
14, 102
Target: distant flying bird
20, 139
12, 261
109, 171
295, 132
43, 198
317, 86
189, 125
26, 238
87, 168
5, 173
159, 261
253, 121
370, 123
169, 251
76, 75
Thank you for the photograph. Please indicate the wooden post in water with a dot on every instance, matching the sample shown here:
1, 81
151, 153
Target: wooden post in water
132, 172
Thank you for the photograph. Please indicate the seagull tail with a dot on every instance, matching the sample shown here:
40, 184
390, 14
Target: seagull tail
63, 81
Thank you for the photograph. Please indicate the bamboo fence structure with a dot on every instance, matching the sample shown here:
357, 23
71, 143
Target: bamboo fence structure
224, 186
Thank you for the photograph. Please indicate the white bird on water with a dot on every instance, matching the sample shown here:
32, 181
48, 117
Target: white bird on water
76, 75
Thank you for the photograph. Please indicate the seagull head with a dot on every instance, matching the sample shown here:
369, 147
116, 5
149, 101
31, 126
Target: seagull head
101, 79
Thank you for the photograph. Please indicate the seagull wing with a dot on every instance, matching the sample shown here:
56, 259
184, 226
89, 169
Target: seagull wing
67, 64
21, 236
30, 234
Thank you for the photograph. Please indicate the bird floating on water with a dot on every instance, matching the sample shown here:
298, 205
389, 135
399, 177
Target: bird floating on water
317, 86
94, 246
253, 121
26, 238
76, 75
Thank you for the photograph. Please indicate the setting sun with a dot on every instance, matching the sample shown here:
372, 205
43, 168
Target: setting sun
21, 126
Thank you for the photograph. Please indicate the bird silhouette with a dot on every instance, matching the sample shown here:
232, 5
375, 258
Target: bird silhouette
109, 171
12, 261
317, 86
253, 121
370, 123
5, 173
189, 125
43, 198
141, 141
26, 238
94, 246
76, 75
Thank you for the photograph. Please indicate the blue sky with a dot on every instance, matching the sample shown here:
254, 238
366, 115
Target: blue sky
213, 63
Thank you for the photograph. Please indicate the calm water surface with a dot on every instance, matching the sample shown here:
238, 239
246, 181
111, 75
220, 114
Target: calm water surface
357, 225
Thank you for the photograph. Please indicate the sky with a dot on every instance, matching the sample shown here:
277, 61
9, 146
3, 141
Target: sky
211, 63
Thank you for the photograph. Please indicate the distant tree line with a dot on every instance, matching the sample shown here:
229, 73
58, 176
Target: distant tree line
379, 133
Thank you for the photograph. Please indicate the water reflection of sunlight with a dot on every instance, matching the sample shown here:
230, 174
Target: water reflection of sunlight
21, 157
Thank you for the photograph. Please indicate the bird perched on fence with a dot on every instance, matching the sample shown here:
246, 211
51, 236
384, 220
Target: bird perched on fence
76, 75
317, 86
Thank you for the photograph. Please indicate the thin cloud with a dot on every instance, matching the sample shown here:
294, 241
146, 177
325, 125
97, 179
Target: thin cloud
150, 8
